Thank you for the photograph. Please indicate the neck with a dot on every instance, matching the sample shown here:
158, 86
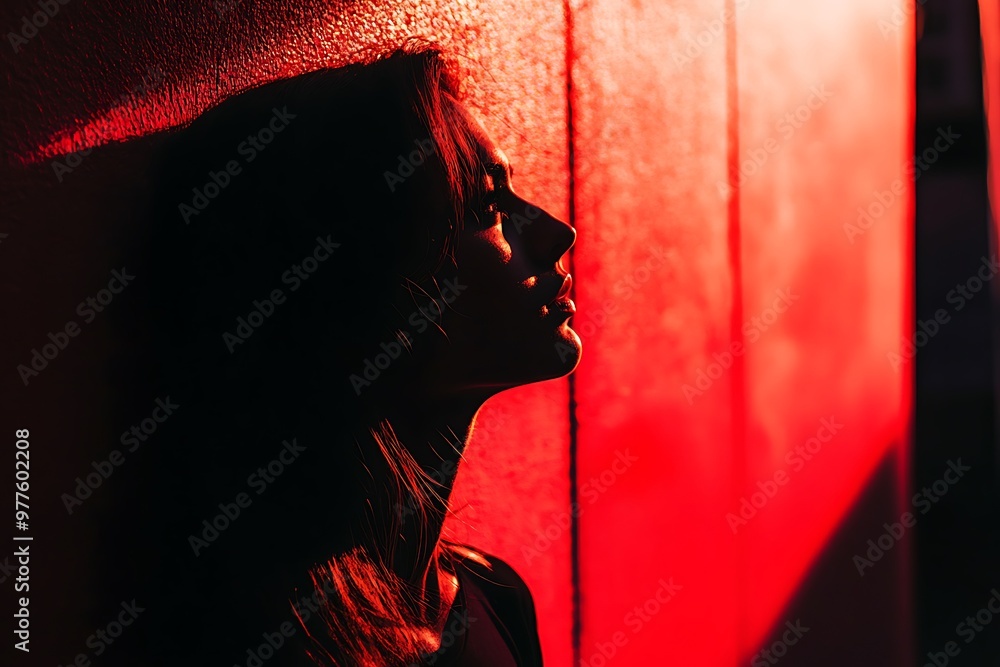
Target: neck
435, 433
368, 506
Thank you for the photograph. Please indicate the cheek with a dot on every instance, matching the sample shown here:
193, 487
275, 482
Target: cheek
486, 265
494, 304
488, 246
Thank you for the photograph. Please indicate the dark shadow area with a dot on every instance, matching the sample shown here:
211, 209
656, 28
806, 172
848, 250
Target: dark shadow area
248, 435
72, 282
839, 617
957, 561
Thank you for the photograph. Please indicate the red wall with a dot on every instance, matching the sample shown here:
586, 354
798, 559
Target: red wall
697, 206
989, 18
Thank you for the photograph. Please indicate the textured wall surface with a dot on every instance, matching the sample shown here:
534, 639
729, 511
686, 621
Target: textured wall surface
656, 283
768, 320
825, 99
707, 218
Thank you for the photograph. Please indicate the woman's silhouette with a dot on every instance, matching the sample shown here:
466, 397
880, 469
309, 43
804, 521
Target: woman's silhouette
341, 275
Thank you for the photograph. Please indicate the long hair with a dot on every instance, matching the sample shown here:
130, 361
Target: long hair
298, 227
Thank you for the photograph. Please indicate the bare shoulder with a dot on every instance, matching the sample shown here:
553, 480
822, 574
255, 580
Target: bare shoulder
490, 570
497, 586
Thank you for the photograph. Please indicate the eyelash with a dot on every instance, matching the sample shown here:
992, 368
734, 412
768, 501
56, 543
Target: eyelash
491, 204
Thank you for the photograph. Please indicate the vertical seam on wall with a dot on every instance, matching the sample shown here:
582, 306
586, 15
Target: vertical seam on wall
574, 533
906, 447
738, 383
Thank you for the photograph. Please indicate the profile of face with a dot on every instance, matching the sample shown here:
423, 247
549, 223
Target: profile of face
504, 302
508, 319
279, 303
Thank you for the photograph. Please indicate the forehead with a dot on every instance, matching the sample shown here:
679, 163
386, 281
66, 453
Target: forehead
487, 151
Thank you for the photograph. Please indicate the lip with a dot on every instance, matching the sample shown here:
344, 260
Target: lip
562, 309
563, 305
564, 289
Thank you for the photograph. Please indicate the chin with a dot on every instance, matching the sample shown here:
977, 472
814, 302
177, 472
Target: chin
559, 356
568, 348
548, 356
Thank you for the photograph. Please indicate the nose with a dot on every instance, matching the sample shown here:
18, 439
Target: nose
547, 238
